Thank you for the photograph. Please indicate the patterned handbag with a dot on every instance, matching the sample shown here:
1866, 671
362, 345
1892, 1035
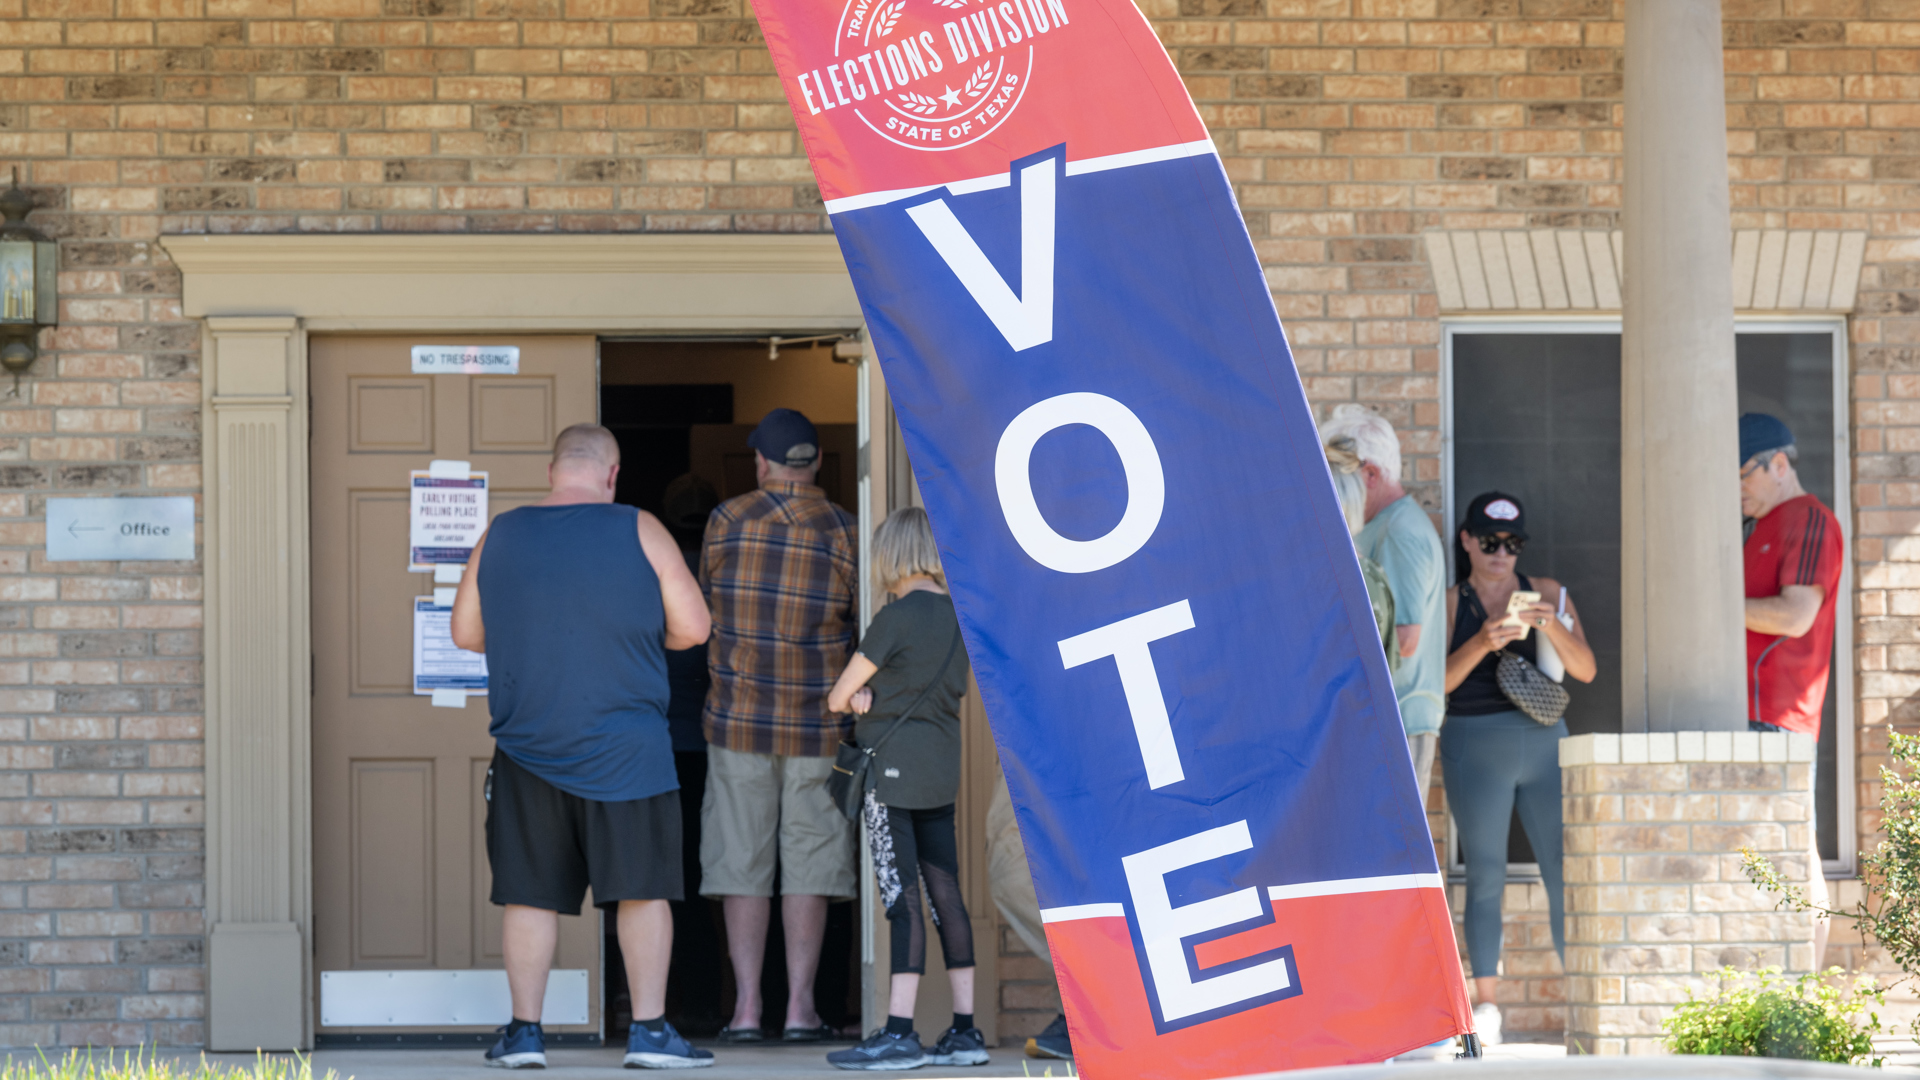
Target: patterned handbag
1543, 700
1530, 691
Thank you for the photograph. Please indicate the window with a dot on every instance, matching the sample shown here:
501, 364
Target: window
1532, 407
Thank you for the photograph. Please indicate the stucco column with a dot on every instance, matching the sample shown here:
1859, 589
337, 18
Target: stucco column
1682, 626
258, 760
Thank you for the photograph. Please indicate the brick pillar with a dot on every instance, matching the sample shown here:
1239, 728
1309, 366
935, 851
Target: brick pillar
1656, 900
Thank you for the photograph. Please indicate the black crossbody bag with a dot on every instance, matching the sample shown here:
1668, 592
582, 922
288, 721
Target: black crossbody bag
852, 775
1543, 700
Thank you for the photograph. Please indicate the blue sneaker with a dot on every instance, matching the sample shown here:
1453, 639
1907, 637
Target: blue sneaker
526, 1050
880, 1051
667, 1050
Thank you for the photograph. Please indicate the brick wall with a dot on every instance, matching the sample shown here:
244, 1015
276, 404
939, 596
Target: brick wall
1349, 126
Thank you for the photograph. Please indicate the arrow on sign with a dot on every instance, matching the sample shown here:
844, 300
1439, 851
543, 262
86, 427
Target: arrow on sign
76, 529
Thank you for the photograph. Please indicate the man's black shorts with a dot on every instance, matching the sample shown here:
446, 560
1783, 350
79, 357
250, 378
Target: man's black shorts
546, 846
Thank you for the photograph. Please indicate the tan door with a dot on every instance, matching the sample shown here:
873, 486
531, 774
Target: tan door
889, 485
399, 858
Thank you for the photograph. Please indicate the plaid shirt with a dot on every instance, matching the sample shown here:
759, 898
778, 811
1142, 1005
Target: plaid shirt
780, 569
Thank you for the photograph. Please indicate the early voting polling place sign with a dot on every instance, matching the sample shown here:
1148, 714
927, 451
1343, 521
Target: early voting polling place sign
1157, 590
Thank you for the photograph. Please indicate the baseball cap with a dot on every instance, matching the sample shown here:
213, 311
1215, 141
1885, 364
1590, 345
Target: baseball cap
1496, 512
786, 437
1759, 432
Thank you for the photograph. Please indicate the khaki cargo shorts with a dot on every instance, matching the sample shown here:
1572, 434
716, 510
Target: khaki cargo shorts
755, 799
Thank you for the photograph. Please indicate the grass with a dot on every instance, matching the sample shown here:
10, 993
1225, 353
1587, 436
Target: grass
144, 1065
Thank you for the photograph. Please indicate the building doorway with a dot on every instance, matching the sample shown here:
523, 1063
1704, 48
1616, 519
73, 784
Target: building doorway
682, 411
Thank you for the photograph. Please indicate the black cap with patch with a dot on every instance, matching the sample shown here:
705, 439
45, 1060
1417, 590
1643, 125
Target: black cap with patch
1496, 512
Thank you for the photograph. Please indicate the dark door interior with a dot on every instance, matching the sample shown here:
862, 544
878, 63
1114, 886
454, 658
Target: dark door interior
681, 454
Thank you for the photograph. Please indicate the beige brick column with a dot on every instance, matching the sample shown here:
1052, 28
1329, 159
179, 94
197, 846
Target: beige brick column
1656, 900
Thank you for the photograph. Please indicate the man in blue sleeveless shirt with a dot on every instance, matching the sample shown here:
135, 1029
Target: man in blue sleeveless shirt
575, 605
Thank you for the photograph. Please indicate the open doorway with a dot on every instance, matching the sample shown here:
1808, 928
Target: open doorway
682, 411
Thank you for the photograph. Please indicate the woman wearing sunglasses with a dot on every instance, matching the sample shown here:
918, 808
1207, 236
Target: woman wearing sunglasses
1495, 757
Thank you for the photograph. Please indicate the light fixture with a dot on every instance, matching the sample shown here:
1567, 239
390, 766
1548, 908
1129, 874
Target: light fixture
29, 260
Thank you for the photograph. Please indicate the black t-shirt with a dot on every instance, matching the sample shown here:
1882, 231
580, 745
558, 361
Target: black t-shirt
909, 641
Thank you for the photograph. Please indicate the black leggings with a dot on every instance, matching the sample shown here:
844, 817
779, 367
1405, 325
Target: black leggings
900, 839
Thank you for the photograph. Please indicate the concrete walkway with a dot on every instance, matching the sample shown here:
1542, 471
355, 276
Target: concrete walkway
731, 1063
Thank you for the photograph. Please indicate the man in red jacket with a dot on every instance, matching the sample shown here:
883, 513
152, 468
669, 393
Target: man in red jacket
1793, 559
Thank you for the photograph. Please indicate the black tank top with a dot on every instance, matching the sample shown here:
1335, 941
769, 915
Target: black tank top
1479, 693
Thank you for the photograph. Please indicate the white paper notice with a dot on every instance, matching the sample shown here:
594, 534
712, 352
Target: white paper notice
466, 359
438, 664
445, 519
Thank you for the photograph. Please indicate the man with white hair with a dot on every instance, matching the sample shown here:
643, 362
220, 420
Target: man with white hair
1398, 536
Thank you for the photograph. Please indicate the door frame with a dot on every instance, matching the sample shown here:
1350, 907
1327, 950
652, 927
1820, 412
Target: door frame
1846, 761
257, 298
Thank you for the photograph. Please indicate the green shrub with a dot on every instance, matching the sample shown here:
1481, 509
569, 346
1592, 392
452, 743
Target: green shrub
1808, 1019
143, 1065
1889, 913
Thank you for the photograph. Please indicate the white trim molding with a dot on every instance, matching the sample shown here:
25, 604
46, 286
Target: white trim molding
1578, 272
649, 283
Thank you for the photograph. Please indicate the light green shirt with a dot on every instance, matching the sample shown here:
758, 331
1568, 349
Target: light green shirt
1402, 541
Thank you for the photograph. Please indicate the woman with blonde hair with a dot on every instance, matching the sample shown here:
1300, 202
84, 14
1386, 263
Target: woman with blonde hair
905, 684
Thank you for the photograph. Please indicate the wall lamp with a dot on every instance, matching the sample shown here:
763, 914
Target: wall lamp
29, 259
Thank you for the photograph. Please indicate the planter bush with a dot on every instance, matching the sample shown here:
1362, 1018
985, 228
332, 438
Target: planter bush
1765, 1015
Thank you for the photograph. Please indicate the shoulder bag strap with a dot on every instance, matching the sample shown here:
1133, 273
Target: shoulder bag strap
907, 714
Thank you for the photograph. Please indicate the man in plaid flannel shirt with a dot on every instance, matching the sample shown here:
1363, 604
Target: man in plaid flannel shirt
780, 569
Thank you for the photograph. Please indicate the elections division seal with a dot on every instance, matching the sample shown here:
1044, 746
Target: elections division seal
933, 74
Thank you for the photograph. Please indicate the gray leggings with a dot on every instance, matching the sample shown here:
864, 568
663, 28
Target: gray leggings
1493, 765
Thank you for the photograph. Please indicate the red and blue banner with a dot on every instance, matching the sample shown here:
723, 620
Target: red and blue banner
1156, 586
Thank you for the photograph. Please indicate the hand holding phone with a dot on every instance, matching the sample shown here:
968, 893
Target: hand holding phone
1521, 600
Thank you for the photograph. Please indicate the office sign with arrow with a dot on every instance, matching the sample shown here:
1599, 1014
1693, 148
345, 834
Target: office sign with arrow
146, 530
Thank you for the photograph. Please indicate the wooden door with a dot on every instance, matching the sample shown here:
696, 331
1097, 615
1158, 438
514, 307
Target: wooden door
399, 855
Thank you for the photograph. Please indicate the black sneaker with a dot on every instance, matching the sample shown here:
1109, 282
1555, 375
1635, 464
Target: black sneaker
882, 1051
958, 1047
1053, 1042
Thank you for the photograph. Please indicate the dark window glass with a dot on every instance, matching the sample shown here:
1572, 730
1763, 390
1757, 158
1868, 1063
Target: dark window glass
1538, 416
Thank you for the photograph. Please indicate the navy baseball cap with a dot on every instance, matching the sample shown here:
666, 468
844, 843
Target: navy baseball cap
786, 437
1760, 432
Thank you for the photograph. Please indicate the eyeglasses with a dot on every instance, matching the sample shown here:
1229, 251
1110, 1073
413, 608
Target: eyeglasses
1491, 544
1752, 467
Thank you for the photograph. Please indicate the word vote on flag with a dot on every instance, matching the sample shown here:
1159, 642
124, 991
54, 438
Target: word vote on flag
1156, 586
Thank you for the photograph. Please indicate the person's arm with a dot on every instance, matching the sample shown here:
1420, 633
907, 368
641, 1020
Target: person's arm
1409, 635
1414, 567
688, 621
1811, 553
469, 631
1571, 645
1791, 614
842, 697
1494, 635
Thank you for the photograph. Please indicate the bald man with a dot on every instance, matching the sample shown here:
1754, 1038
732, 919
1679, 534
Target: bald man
575, 605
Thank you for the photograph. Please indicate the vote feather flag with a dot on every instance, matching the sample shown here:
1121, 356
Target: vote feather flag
1155, 583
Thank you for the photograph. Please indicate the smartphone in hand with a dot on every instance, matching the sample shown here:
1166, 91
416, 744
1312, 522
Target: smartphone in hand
1518, 602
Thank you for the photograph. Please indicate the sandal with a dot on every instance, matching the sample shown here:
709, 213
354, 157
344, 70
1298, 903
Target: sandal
742, 1035
809, 1035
